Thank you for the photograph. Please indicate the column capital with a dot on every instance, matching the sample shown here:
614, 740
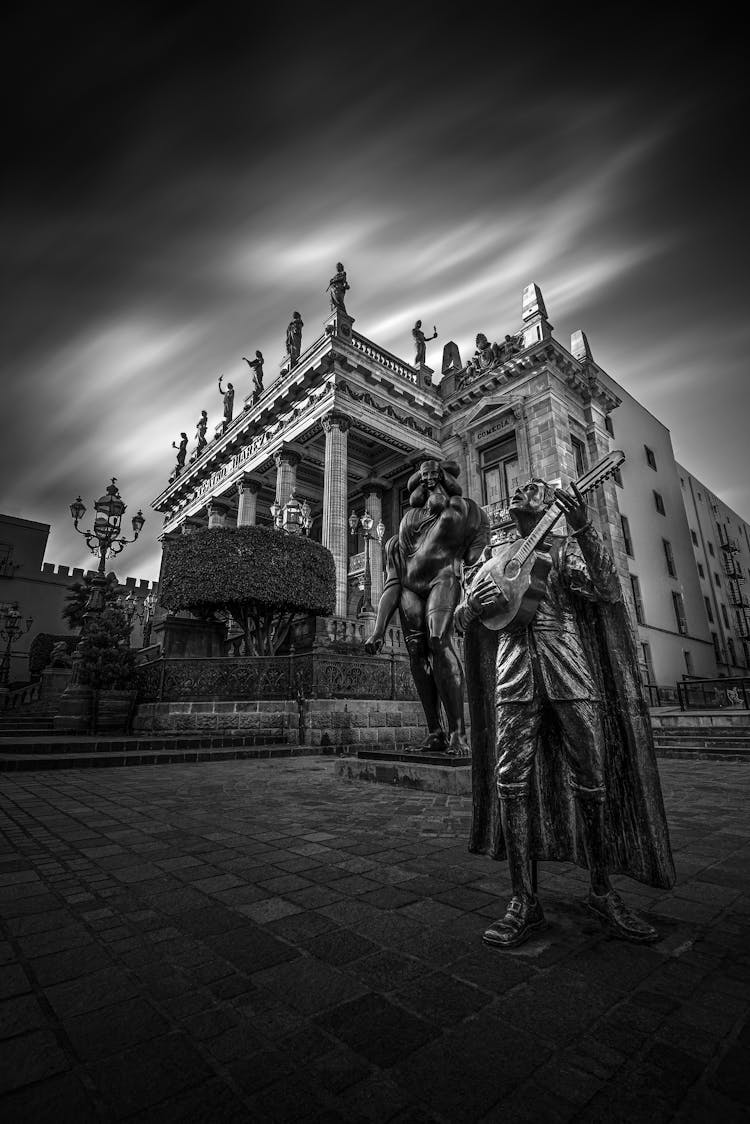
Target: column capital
249, 484
336, 419
285, 455
375, 487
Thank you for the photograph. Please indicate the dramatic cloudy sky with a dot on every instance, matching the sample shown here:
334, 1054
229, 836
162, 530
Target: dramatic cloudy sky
176, 186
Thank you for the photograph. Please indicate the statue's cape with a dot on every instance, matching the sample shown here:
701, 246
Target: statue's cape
637, 835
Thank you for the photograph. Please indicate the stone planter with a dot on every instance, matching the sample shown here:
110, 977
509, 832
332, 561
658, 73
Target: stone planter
74, 711
112, 711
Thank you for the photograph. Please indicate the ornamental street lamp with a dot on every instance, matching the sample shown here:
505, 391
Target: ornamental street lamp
295, 517
12, 628
367, 521
105, 539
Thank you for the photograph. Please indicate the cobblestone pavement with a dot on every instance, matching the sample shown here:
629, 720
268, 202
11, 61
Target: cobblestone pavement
251, 941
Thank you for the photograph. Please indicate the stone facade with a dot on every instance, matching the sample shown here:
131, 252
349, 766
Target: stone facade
349, 413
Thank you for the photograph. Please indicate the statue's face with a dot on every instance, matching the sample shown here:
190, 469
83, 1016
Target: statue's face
418, 324
481, 340
529, 499
429, 474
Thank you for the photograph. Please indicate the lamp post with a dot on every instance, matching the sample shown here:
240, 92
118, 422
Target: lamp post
367, 521
12, 628
295, 517
105, 539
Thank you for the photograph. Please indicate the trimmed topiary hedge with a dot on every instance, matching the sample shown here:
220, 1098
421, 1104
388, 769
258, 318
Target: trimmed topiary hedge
261, 576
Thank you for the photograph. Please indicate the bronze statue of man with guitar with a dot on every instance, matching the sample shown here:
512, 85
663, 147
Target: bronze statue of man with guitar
563, 735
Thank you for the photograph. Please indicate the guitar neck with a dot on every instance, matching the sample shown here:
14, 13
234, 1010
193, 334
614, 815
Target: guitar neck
545, 524
590, 480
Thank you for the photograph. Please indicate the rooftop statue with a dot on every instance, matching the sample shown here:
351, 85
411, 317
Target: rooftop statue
200, 432
420, 342
228, 396
294, 338
256, 366
440, 530
338, 286
181, 452
563, 759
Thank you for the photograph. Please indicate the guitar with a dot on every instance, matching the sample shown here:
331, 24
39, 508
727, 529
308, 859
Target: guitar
520, 570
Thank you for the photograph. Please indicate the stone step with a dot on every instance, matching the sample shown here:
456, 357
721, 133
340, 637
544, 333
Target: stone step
704, 753
701, 737
111, 758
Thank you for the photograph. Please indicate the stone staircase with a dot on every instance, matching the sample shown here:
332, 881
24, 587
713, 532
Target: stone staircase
704, 735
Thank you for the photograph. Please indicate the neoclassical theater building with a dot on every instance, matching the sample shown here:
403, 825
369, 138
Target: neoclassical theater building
345, 423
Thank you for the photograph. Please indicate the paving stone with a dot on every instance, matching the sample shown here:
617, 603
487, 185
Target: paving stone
149, 1074
442, 999
13, 981
109, 1030
380, 1031
30, 1057
309, 986
69, 965
19, 1015
54, 1101
90, 992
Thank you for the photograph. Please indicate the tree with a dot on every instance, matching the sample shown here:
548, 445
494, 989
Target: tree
78, 596
262, 577
107, 660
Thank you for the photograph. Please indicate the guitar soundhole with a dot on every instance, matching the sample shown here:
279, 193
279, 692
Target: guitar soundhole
513, 569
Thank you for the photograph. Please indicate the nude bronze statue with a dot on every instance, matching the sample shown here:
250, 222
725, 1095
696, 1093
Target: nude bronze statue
557, 774
440, 530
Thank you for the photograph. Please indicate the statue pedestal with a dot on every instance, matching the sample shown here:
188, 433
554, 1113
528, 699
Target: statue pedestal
339, 324
183, 636
426, 772
54, 680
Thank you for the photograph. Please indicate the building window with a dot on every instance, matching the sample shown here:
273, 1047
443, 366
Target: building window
608, 425
645, 663
659, 502
730, 649
635, 586
617, 477
717, 579
717, 647
499, 465
669, 556
694, 537
579, 456
709, 610
725, 615
746, 653
688, 662
626, 536
701, 571
710, 549
679, 612
650, 458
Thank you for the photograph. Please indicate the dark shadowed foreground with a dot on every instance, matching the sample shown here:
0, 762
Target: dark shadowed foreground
252, 941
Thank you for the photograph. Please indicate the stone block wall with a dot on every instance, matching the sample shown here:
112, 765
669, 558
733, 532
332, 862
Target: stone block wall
276, 721
349, 724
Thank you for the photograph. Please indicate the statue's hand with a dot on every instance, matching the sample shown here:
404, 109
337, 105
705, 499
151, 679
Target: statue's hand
574, 508
487, 594
373, 645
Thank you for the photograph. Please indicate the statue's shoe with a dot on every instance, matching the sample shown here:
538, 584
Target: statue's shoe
523, 916
619, 921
